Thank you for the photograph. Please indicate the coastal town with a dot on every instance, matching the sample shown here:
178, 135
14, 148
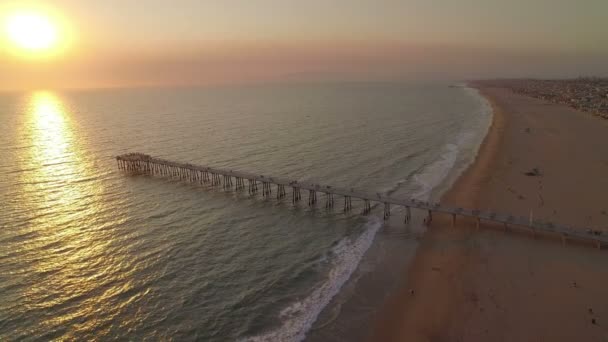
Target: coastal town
585, 94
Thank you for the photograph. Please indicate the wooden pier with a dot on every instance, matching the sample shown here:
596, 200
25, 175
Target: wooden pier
237, 180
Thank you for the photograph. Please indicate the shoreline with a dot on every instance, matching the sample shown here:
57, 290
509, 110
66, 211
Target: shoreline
420, 320
453, 289
394, 246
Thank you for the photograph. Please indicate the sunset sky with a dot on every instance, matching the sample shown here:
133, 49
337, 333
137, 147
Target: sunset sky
160, 42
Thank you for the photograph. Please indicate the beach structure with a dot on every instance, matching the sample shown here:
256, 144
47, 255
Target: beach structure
139, 163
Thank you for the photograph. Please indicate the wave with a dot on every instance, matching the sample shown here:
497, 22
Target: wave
433, 174
458, 155
299, 317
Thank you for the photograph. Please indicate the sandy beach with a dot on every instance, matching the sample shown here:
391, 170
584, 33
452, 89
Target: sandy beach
493, 285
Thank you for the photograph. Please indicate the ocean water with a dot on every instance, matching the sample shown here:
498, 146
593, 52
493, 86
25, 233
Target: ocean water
88, 252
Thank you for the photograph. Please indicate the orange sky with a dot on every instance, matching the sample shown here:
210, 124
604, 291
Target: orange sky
162, 42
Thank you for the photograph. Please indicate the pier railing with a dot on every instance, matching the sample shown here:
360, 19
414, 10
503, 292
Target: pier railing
254, 183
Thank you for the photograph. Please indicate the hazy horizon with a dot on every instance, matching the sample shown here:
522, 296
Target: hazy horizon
124, 44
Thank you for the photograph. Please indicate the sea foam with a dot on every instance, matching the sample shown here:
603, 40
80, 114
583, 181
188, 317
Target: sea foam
299, 317
457, 155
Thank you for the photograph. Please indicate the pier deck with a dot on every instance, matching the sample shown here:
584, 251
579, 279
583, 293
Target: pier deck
142, 163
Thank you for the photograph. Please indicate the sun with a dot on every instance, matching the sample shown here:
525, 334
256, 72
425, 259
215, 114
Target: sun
31, 31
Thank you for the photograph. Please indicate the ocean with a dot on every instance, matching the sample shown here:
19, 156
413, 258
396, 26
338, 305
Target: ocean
88, 252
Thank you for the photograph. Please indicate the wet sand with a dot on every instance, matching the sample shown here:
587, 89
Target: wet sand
493, 285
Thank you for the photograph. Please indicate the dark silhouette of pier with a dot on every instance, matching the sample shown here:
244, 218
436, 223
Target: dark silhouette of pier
229, 179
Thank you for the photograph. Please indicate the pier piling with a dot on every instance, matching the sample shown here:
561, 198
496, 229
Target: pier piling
138, 163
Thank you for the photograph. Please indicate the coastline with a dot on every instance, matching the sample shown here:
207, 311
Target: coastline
395, 245
488, 285
420, 316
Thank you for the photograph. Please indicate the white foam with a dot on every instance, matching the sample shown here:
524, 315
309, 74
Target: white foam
470, 140
298, 318
434, 173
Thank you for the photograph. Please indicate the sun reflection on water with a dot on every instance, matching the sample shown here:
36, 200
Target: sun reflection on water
67, 253
54, 157
51, 132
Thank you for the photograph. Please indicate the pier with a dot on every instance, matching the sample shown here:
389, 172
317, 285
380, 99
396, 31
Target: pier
239, 181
